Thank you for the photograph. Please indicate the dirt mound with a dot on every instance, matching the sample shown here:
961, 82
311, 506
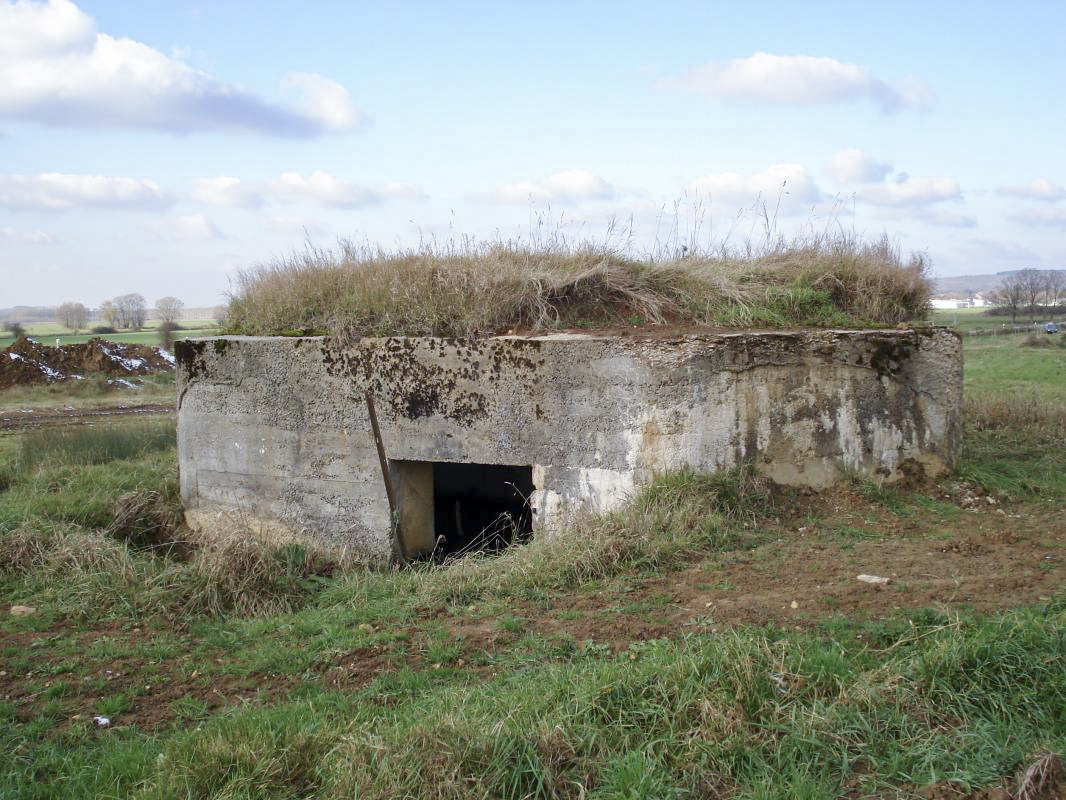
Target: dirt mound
28, 362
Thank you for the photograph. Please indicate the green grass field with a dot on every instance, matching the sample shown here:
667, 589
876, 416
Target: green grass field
51, 333
653, 653
970, 319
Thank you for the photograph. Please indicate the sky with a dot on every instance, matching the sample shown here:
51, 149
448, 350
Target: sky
162, 147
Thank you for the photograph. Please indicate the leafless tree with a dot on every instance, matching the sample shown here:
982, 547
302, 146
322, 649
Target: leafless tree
131, 310
1031, 284
109, 313
1009, 296
1054, 288
168, 309
73, 315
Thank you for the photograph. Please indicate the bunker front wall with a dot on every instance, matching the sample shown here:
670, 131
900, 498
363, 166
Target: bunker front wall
275, 432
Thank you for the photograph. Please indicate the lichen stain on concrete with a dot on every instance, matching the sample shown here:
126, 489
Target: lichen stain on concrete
413, 386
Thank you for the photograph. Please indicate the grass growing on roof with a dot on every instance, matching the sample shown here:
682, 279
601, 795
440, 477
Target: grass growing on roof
479, 288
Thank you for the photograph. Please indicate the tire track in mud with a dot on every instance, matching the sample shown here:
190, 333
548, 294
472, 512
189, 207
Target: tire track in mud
14, 421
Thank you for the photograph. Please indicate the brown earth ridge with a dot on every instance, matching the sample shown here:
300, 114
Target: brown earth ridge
28, 362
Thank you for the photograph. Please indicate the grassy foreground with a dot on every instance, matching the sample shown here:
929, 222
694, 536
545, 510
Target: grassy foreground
476, 288
613, 662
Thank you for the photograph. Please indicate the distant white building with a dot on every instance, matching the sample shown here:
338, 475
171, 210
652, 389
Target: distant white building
954, 300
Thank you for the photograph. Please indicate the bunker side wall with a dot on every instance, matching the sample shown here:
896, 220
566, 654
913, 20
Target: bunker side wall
274, 431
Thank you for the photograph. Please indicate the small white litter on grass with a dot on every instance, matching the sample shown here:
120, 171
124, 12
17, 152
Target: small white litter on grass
877, 580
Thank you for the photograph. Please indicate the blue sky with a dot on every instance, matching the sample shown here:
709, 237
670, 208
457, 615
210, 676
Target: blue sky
158, 147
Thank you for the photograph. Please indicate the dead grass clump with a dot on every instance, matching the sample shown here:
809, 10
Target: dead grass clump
1016, 414
147, 519
1044, 778
1043, 341
484, 288
232, 573
232, 570
86, 569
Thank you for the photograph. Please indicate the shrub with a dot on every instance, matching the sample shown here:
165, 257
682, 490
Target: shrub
166, 335
103, 329
1035, 340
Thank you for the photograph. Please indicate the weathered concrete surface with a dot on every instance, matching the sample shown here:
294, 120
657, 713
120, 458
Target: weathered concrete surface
276, 429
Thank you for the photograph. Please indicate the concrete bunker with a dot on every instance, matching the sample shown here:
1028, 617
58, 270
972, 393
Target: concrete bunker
276, 429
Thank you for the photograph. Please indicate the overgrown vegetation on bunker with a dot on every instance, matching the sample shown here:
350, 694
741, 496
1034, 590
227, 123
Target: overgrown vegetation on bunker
484, 288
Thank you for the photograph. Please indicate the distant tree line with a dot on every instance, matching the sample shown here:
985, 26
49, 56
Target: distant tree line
127, 311
1031, 291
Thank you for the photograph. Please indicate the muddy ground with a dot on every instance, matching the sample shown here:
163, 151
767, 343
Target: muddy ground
31, 419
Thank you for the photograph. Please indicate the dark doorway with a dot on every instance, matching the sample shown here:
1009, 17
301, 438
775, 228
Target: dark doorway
480, 507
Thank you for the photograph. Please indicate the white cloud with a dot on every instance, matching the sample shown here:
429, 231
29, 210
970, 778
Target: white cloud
189, 228
945, 218
319, 188
9, 234
293, 226
57, 191
572, 186
1045, 216
906, 191
789, 183
1038, 189
323, 99
856, 166
227, 191
930, 215
799, 81
28, 28
56, 69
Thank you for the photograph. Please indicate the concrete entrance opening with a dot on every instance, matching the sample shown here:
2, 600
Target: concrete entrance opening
480, 507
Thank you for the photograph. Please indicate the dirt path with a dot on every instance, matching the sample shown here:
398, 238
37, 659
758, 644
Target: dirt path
28, 420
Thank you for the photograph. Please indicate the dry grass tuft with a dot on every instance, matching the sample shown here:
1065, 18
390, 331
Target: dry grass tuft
234, 571
1017, 414
484, 288
1042, 777
146, 519
1042, 341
